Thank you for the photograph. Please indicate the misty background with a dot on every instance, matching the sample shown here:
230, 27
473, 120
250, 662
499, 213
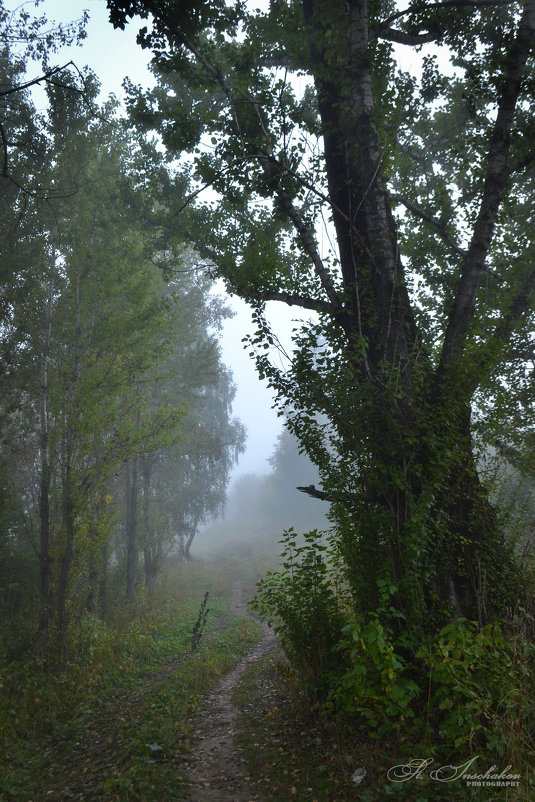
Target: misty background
262, 496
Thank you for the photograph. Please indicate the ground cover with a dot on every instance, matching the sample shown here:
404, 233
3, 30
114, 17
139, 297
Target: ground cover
117, 724
294, 753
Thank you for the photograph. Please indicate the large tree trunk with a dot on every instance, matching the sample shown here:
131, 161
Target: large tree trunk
424, 523
45, 611
131, 527
369, 254
421, 518
474, 567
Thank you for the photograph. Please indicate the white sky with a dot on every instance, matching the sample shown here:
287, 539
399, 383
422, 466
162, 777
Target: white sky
112, 55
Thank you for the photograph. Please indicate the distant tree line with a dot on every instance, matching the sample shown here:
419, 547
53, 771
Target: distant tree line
261, 507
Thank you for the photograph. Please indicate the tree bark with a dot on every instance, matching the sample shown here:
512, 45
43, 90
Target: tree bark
131, 526
45, 612
68, 513
67, 556
189, 538
149, 552
369, 254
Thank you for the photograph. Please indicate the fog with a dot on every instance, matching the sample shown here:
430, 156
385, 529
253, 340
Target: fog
113, 55
260, 507
262, 497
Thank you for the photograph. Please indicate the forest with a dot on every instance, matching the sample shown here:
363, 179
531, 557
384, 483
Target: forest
363, 614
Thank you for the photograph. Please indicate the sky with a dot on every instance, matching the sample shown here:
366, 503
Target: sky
112, 55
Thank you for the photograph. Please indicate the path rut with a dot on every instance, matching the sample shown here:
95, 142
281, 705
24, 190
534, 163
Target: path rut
217, 771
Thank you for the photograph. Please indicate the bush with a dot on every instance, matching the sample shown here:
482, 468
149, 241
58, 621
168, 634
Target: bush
467, 690
91, 639
301, 603
376, 685
480, 688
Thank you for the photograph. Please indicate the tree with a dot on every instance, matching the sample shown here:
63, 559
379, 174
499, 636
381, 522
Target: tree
26, 38
301, 121
282, 506
184, 480
111, 367
76, 275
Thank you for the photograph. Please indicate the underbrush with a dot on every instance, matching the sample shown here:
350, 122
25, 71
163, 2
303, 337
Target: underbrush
294, 751
116, 723
453, 712
291, 753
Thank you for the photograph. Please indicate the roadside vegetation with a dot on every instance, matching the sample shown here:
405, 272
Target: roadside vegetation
116, 723
295, 751
349, 687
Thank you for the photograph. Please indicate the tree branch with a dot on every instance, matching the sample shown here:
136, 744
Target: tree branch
34, 81
310, 490
5, 172
377, 30
307, 240
423, 215
496, 177
291, 299
521, 164
273, 171
402, 38
484, 356
214, 72
520, 305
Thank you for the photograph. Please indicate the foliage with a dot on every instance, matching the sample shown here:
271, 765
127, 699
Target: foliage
35, 37
103, 327
302, 605
480, 689
376, 687
466, 690
393, 206
26, 38
293, 753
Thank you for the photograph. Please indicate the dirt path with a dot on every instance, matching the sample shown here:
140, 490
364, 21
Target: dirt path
217, 771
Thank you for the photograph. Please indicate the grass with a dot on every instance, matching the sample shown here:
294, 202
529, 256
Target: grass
117, 724
289, 756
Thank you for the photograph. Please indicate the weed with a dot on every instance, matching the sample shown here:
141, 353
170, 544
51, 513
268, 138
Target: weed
200, 623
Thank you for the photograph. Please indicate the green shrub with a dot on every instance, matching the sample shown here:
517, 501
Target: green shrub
91, 639
479, 687
302, 605
467, 690
376, 685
